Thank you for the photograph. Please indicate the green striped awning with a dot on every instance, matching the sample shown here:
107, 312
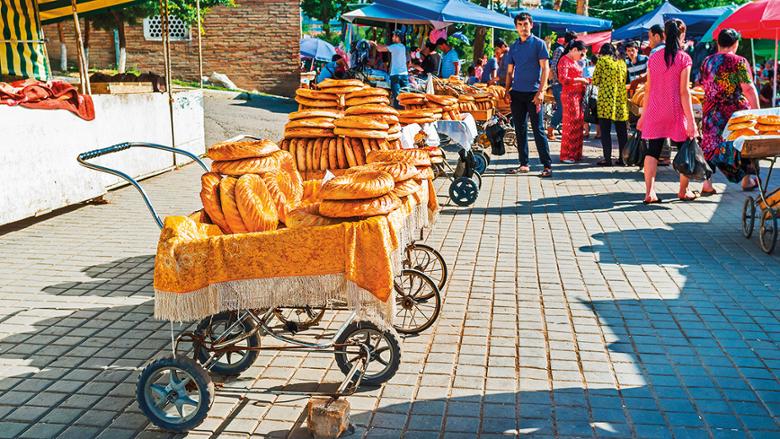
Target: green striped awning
22, 49
56, 10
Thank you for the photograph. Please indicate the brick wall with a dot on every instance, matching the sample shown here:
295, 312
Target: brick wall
255, 43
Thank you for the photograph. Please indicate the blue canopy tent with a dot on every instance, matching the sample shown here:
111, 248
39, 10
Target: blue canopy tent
563, 21
441, 12
637, 29
699, 22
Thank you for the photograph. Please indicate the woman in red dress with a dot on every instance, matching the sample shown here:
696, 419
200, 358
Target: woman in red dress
570, 77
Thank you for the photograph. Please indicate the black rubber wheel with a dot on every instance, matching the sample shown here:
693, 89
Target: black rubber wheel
228, 363
464, 191
748, 217
480, 162
477, 177
767, 233
429, 261
385, 352
417, 302
175, 393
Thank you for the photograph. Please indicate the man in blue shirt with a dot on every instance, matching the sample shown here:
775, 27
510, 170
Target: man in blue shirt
333, 69
399, 71
450, 63
526, 79
490, 71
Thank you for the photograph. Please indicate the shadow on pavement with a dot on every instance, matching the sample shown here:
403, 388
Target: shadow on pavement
273, 104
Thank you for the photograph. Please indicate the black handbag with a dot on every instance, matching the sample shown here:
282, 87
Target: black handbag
495, 134
590, 105
635, 150
690, 161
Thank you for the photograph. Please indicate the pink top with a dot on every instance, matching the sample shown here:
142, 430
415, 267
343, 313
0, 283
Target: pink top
664, 115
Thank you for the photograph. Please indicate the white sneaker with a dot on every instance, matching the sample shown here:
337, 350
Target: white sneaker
568, 162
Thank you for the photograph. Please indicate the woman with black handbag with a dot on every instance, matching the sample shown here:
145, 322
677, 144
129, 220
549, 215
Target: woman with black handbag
570, 77
667, 108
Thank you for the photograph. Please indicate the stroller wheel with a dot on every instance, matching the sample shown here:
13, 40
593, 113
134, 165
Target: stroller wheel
767, 233
175, 393
464, 191
477, 177
480, 162
748, 217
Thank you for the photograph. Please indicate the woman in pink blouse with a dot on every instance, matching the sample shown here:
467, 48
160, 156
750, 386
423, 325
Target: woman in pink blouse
667, 109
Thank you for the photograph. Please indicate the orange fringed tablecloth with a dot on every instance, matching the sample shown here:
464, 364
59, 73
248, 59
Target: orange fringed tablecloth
199, 272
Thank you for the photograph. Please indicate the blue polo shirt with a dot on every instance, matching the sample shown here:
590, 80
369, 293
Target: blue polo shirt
448, 63
525, 57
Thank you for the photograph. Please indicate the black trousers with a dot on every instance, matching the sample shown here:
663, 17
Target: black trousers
523, 107
606, 137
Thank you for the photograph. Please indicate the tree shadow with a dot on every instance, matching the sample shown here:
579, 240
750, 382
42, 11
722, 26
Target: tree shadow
273, 104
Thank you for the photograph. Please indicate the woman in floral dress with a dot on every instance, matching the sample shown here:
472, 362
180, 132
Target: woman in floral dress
612, 107
728, 87
570, 77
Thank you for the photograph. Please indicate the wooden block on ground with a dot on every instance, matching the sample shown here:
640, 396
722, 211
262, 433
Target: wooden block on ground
326, 418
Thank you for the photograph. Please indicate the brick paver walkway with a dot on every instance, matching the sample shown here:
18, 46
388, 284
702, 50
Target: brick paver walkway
572, 310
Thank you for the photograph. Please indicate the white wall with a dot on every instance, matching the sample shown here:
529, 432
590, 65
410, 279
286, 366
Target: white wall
38, 148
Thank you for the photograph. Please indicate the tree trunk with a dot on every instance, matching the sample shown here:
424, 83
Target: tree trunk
120, 26
87, 29
557, 5
582, 7
325, 18
479, 38
63, 49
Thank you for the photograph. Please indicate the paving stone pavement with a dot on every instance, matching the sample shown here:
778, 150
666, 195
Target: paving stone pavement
572, 311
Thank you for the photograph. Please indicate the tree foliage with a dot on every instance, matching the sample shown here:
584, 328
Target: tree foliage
324, 10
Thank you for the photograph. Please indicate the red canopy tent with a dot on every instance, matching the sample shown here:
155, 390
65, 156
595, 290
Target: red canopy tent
596, 40
758, 20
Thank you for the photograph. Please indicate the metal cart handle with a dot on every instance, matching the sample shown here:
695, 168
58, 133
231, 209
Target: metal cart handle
89, 155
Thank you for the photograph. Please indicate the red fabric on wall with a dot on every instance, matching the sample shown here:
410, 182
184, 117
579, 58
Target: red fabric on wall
52, 95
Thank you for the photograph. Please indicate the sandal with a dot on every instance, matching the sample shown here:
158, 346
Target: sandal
656, 201
709, 193
691, 198
546, 173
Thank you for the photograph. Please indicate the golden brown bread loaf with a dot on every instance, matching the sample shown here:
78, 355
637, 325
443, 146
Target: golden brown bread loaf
407, 187
256, 204
229, 204
316, 94
280, 188
769, 119
256, 165
400, 171
360, 133
308, 133
743, 118
381, 100
356, 186
308, 216
330, 82
370, 109
306, 114
742, 125
360, 208
742, 133
418, 157
314, 122
209, 196
315, 103
357, 149
360, 122
287, 165
343, 90
426, 173
368, 91
241, 149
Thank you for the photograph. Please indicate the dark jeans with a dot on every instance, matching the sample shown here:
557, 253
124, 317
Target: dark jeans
557, 116
397, 82
523, 107
606, 137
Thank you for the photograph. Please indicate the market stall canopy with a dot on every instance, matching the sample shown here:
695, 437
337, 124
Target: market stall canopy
708, 34
759, 19
698, 22
52, 11
317, 49
439, 13
638, 28
563, 21
596, 40
22, 46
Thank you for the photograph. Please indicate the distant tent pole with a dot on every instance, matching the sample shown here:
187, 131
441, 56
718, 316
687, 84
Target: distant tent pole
83, 73
167, 58
753, 53
200, 47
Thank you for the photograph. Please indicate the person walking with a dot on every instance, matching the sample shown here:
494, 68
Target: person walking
557, 116
399, 69
490, 72
526, 78
667, 109
570, 77
612, 106
728, 87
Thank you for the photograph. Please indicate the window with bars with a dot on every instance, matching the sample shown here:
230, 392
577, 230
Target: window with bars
179, 31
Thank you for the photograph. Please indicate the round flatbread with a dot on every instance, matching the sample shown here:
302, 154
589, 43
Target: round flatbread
256, 204
305, 114
370, 109
360, 208
361, 122
242, 149
209, 196
769, 119
230, 209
